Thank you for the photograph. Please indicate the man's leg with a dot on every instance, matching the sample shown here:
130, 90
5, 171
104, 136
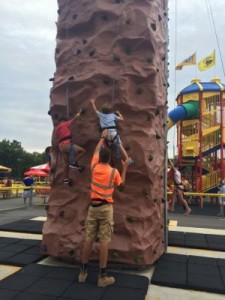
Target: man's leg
86, 252
103, 257
105, 236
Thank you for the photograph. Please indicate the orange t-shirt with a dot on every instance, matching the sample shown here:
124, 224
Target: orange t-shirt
104, 178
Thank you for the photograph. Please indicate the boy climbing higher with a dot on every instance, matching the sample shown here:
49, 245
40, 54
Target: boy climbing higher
71, 153
108, 121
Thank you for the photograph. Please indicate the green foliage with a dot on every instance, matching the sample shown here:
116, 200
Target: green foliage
12, 155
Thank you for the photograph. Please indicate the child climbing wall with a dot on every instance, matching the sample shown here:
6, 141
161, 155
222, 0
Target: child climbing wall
108, 121
112, 50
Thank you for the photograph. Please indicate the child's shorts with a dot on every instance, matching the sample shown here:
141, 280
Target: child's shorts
113, 137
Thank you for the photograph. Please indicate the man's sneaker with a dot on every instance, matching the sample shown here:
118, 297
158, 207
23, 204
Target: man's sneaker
104, 281
82, 277
76, 166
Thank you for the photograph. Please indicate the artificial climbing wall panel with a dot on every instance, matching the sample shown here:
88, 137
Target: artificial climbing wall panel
115, 51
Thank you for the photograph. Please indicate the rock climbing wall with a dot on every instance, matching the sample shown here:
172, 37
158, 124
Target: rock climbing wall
115, 51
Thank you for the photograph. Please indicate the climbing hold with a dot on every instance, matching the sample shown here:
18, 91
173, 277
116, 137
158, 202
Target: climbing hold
105, 17
106, 81
155, 200
150, 157
46, 207
84, 42
71, 252
139, 91
162, 226
153, 25
82, 223
51, 79
149, 59
157, 111
61, 213
92, 53
59, 11
121, 188
158, 137
163, 200
163, 58
78, 51
116, 58
52, 171
163, 241
127, 147
138, 258
56, 50
159, 18
115, 255
128, 50
128, 21
71, 78
157, 70
145, 192
154, 251
131, 219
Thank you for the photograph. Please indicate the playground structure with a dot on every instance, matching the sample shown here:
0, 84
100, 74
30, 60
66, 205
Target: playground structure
116, 52
200, 118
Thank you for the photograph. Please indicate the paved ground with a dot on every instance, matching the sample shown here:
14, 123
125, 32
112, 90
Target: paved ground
14, 209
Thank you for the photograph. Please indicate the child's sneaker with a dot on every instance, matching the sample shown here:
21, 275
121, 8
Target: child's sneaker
67, 181
76, 166
104, 281
82, 277
131, 161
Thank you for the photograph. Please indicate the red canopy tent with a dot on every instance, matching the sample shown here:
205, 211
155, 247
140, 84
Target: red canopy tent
36, 173
44, 167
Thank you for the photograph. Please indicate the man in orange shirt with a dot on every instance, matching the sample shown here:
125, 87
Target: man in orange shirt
100, 213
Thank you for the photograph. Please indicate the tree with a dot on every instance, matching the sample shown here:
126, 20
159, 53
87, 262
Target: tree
13, 155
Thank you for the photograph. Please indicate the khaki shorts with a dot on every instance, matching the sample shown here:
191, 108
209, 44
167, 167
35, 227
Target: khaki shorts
100, 223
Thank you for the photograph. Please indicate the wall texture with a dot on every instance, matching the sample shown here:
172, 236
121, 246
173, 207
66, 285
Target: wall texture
115, 51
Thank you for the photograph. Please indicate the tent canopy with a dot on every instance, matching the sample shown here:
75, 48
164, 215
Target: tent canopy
44, 167
5, 169
36, 173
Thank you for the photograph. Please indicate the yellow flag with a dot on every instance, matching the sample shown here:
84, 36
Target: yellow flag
207, 62
191, 60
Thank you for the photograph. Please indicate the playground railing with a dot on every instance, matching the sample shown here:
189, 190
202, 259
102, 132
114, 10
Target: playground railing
17, 191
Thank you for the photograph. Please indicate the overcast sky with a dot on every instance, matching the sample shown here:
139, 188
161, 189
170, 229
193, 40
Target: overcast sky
27, 61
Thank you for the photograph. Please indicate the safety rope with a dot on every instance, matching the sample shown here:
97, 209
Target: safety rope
67, 66
209, 8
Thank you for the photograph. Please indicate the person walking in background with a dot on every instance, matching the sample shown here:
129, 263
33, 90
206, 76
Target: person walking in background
100, 214
28, 192
221, 199
178, 190
187, 187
